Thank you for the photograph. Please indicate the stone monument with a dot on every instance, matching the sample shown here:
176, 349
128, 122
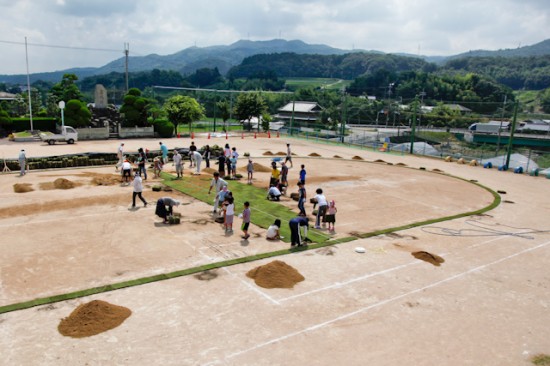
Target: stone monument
100, 96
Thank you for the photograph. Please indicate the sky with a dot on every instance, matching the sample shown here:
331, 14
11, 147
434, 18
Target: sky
62, 34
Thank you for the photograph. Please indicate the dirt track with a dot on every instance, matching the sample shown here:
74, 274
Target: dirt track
381, 307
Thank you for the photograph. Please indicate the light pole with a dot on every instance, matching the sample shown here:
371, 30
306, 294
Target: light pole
422, 95
389, 101
62, 107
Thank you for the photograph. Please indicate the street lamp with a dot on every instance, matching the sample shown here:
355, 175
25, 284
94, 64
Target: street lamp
62, 107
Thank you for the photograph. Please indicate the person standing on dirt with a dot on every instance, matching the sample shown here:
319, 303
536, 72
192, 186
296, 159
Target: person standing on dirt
138, 189
218, 184
288, 155
178, 164
196, 157
221, 165
192, 149
120, 156
22, 162
142, 161
126, 171
302, 198
303, 174
246, 220
250, 171
165, 207
322, 209
295, 224
164, 151
284, 174
207, 155
275, 174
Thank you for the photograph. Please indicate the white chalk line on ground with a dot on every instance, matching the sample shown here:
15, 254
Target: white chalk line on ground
384, 302
254, 288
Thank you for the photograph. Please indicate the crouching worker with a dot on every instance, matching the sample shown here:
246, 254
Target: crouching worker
273, 231
165, 208
295, 235
274, 194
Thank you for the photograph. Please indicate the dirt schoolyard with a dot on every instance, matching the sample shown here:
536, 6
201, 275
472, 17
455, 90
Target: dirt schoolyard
472, 290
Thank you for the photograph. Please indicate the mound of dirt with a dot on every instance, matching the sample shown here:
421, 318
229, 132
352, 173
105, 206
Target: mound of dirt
22, 187
62, 183
106, 179
280, 153
206, 275
276, 274
258, 168
93, 318
428, 257
401, 164
267, 153
337, 157
379, 161
357, 158
437, 170
314, 154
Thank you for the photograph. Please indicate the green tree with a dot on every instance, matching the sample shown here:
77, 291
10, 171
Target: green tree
135, 109
266, 119
6, 123
77, 114
250, 105
183, 109
545, 100
225, 112
67, 89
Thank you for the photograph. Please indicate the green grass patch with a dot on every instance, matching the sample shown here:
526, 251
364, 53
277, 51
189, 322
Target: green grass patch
541, 360
324, 83
22, 134
263, 211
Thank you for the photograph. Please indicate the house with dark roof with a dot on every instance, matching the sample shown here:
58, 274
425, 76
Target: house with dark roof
304, 113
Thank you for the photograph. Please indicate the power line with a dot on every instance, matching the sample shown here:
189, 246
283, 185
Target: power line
58, 46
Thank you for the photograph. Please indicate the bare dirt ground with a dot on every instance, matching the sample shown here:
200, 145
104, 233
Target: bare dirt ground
486, 304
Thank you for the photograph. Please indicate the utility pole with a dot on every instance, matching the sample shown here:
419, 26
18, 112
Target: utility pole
126, 53
501, 119
413, 124
389, 101
344, 117
422, 95
28, 84
292, 118
511, 138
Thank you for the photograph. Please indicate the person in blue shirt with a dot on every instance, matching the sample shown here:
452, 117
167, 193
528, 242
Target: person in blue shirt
303, 174
295, 224
164, 151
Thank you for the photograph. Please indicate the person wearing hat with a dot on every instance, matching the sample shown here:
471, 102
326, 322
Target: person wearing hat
165, 207
22, 162
126, 171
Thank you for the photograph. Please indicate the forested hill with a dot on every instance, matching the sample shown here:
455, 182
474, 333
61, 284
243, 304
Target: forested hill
348, 66
515, 72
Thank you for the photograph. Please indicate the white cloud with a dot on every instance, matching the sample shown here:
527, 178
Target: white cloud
430, 26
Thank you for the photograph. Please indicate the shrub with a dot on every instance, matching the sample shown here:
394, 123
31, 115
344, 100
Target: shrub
164, 128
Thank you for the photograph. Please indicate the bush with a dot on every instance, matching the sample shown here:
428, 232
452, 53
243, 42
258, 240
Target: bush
164, 128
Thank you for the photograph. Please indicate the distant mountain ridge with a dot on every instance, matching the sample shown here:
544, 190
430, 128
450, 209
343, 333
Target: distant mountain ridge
190, 59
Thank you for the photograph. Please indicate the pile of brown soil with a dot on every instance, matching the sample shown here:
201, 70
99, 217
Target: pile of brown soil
276, 274
437, 170
206, 275
428, 257
22, 187
93, 318
261, 168
280, 153
268, 153
106, 179
62, 183
357, 158
379, 161
337, 157
314, 154
401, 164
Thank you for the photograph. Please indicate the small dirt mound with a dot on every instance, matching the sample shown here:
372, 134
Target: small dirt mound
437, 170
428, 257
62, 183
379, 161
93, 318
326, 251
401, 164
501, 192
261, 168
357, 158
337, 157
276, 274
280, 153
267, 153
106, 179
200, 221
22, 187
206, 275
314, 155
506, 201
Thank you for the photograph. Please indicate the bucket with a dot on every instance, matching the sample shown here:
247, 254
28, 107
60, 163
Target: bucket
518, 170
488, 165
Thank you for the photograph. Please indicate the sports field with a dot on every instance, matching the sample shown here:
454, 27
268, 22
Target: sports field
475, 292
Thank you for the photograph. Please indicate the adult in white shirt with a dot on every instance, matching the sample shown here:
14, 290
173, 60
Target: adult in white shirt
138, 189
22, 162
322, 209
218, 184
178, 163
197, 158
274, 193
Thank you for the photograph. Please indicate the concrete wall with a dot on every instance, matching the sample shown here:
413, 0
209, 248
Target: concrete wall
132, 132
101, 133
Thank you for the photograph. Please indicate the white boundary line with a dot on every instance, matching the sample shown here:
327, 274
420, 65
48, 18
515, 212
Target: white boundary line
253, 288
383, 302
